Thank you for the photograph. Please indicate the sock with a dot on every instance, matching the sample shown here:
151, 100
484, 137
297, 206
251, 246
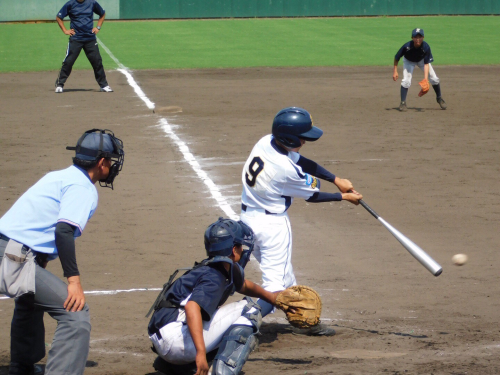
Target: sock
404, 92
437, 89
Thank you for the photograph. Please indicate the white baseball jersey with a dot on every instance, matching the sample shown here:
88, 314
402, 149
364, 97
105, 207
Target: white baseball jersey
271, 178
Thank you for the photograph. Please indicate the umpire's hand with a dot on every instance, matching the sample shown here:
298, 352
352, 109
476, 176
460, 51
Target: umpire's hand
76, 298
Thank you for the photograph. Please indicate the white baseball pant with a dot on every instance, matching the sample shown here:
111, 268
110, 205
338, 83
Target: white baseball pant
273, 248
409, 66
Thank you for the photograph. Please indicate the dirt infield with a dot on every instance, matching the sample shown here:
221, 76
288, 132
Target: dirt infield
432, 174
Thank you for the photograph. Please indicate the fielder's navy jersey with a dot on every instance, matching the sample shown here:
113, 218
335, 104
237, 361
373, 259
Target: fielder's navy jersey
415, 54
205, 285
82, 17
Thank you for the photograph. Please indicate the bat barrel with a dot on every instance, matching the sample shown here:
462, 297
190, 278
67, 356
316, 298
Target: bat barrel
414, 250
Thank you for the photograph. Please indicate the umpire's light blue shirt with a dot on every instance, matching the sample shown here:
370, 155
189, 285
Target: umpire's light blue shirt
67, 196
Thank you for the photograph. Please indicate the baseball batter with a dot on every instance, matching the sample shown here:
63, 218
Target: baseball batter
82, 35
41, 226
416, 53
190, 325
274, 174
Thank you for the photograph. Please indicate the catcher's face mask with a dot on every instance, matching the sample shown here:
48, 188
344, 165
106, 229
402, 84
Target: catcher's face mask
247, 241
104, 144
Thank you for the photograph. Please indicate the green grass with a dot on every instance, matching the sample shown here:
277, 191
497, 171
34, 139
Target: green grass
459, 40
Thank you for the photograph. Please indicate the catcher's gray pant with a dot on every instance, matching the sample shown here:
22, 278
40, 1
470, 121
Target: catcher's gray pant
409, 66
70, 346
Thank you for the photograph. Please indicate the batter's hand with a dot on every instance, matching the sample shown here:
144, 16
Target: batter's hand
201, 364
76, 298
70, 32
343, 184
352, 197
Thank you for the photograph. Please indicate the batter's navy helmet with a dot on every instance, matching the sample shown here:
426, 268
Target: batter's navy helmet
221, 236
292, 123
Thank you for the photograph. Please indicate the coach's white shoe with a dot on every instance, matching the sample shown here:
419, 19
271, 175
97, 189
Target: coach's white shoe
59, 89
106, 89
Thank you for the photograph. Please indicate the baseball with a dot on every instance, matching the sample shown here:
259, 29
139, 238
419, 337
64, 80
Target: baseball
459, 259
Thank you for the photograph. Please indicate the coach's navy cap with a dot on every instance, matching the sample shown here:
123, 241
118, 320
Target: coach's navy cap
417, 31
89, 149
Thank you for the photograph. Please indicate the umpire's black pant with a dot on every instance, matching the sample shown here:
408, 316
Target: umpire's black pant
92, 51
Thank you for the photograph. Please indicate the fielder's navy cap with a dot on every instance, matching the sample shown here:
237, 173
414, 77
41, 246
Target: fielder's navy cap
90, 146
417, 31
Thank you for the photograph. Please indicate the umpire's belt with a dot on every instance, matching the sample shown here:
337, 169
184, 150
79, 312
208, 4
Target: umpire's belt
244, 208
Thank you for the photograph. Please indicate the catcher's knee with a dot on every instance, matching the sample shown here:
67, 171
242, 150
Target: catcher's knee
238, 342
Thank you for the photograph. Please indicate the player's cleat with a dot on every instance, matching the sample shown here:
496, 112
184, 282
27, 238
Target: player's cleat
317, 330
402, 107
106, 89
20, 369
59, 89
441, 102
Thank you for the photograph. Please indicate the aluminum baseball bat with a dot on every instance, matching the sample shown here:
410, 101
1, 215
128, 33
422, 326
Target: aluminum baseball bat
412, 247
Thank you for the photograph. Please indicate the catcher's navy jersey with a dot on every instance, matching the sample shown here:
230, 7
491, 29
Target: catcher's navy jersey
205, 285
272, 178
82, 17
415, 54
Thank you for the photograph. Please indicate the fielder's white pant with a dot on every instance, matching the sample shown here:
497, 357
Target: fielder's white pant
409, 66
273, 248
176, 344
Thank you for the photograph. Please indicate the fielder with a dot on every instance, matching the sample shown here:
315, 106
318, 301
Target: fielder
42, 225
188, 323
417, 53
82, 34
274, 174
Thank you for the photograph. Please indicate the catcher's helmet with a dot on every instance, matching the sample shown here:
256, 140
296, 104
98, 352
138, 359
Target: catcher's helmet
292, 123
221, 236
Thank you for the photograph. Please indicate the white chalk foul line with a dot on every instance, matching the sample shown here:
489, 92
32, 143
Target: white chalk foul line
108, 292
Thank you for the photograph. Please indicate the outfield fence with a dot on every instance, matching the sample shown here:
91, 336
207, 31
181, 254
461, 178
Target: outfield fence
33, 10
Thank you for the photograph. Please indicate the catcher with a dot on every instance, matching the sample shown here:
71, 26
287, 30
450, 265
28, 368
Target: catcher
417, 53
189, 328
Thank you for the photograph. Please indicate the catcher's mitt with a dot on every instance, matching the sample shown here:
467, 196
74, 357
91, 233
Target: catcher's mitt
301, 304
425, 87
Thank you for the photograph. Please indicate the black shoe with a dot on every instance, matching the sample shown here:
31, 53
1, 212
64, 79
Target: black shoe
22, 369
441, 102
402, 107
167, 368
317, 330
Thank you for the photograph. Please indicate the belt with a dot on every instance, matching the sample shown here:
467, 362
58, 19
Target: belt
244, 208
5, 238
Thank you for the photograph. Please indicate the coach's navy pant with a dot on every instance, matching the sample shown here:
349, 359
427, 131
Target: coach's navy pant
91, 49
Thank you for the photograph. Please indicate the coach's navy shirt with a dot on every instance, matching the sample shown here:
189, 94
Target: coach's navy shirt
415, 54
205, 285
81, 16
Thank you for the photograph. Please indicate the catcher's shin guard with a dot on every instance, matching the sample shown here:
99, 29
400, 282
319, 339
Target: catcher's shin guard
238, 342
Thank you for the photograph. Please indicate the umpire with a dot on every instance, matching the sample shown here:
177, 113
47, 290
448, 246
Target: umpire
82, 34
42, 225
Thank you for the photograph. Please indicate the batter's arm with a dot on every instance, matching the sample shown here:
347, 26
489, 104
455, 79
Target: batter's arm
195, 325
395, 74
69, 32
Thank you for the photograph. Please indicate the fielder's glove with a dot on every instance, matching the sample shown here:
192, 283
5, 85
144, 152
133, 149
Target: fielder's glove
425, 87
301, 304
